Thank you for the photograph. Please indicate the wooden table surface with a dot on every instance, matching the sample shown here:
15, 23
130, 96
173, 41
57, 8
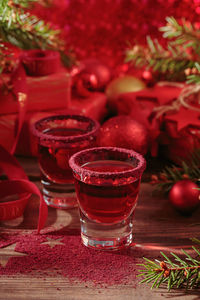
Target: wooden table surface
157, 227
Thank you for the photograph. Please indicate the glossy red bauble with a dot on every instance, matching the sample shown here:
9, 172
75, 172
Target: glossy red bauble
184, 196
93, 76
98, 70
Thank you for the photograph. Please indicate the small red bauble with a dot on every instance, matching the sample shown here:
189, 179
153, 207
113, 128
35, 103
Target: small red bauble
93, 76
124, 132
85, 83
184, 196
148, 78
98, 70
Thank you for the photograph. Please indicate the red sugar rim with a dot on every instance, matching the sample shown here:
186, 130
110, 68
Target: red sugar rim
76, 163
93, 126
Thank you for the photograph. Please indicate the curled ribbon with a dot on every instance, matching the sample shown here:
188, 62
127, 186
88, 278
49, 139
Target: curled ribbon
17, 183
182, 100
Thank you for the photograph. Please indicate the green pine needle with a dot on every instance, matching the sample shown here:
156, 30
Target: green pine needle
173, 274
24, 30
189, 169
182, 52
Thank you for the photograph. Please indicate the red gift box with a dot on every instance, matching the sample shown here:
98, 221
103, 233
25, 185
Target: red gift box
140, 104
93, 107
44, 93
179, 134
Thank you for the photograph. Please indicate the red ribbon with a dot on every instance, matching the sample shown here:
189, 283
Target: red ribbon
18, 183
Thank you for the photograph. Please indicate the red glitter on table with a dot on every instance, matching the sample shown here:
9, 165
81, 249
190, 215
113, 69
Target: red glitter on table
8, 239
47, 255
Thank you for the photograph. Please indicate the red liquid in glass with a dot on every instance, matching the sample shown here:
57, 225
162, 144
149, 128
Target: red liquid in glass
54, 160
107, 203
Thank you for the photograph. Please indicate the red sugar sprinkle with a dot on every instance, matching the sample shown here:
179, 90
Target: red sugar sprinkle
72, 260
8, 239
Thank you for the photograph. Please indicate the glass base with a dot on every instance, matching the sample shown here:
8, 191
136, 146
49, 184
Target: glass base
106, 236
61, 196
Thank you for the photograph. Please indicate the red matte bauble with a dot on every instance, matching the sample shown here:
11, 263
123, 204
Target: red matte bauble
184, 196
124, 132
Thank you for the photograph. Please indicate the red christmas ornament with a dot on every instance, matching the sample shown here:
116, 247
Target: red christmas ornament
93, 76
148, 78
85, 83
99, 70
124, 132
184, 196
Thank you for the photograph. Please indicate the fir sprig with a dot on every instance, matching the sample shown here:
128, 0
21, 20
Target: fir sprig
178, 60
158, 58
184, 34
26, 31
175, 272
189, 169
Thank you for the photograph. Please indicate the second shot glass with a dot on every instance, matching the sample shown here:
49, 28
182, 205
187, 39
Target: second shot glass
58, 138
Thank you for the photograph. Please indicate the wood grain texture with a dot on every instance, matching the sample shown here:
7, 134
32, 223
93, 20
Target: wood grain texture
157, 227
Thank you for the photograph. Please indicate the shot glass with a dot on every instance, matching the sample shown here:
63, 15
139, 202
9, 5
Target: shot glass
58, 138
107, 182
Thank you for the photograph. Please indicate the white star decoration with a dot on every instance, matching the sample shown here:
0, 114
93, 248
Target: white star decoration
8, 252
52, 242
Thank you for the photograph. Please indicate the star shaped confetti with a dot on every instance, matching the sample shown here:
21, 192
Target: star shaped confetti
52, 242
8, 252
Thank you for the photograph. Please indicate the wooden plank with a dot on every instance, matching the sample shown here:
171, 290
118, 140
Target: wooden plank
157, 227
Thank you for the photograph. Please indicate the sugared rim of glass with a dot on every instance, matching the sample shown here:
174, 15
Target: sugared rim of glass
93, 126
77, 161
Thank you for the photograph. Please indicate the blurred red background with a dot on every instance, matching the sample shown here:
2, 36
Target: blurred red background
104, 28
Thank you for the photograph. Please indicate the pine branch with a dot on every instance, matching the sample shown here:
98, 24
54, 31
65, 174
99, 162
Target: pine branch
182, 34
178, 60
189, 169
193, 76
175, 272
26, 31
23, 3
